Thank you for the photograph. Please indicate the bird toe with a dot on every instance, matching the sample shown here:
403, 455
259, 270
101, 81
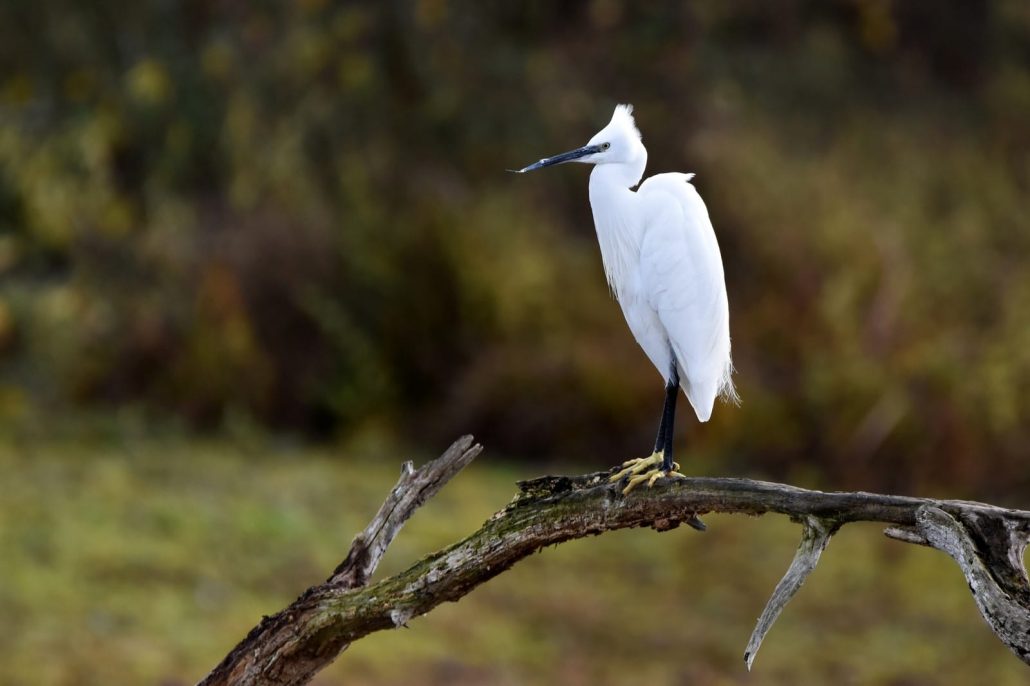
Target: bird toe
633, 468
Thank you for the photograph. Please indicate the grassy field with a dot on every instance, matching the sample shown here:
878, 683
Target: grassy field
144, 562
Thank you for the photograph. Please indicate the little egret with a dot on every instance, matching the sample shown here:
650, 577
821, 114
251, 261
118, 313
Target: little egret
663, 266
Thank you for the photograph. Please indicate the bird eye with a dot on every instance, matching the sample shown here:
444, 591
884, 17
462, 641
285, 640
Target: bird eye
605, 146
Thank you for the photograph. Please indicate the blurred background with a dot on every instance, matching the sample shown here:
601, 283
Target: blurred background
253, 255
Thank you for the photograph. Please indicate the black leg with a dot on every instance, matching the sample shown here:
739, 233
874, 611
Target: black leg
659, 442
665, 432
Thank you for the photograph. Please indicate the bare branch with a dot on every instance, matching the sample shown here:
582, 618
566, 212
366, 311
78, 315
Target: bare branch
292, 646
412, 489
277, 651
990, 554
814, 539
906, 534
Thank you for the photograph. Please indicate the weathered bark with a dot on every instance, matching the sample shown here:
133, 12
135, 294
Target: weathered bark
286, 648
290, 647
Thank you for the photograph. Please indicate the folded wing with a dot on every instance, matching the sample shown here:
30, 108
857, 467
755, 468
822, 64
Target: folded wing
682, 277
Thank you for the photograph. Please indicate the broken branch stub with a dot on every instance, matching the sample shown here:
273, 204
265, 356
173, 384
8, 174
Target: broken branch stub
815, 536
413, 488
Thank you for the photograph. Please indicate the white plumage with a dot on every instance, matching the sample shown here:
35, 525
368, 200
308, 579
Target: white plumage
683, 280
663, 265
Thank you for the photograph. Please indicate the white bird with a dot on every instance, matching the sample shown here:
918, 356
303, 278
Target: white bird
664, 267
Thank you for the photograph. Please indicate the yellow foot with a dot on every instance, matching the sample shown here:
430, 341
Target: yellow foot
637, 471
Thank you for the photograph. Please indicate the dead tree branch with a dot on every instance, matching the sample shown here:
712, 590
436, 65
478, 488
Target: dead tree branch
290, 648
987, 542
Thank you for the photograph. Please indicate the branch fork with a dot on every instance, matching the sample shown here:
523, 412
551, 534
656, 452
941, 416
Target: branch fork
291, 646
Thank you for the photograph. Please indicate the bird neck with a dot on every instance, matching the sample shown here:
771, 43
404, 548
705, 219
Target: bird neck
623, 174
617, 222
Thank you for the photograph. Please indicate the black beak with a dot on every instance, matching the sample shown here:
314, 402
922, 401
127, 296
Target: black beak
569, 156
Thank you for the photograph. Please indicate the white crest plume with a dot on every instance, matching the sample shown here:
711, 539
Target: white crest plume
623, 117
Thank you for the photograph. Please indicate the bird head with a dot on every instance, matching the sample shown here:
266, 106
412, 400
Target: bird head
617, 143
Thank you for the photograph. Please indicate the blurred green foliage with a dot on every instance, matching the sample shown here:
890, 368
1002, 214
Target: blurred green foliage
296, 214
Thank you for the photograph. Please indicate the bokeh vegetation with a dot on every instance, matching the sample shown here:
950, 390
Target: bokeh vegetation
291, 222
296, 216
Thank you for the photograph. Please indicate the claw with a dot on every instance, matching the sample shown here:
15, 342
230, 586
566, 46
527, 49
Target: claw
637, 471
637, 480
659, 474
651, 477
632, 468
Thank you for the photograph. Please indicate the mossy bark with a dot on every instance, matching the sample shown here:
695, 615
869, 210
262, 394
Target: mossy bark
290, 647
